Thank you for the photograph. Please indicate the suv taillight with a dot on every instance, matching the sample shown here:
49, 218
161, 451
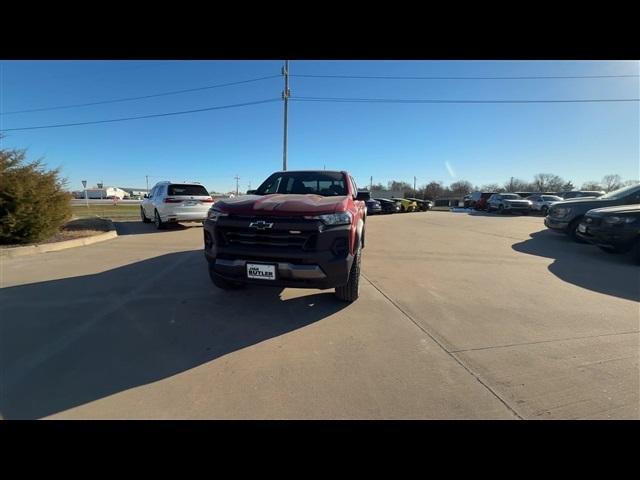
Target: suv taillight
207, 200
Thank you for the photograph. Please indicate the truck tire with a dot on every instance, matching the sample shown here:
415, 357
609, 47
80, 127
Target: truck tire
222, 283
350, 291
143, 216
573, 230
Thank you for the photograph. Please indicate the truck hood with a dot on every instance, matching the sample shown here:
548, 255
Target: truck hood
282, 205
615, 210
587, 203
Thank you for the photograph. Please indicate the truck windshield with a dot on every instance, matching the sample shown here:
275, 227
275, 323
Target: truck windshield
622, 192
323, 183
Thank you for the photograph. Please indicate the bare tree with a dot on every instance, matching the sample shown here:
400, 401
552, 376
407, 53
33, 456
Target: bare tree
396, 185
568, 187
591, 185
611, 182
492, 187
516, 185
547, 182
433, 190
628, 183
461, 187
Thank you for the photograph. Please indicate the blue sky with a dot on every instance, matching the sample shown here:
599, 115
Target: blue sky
481, 143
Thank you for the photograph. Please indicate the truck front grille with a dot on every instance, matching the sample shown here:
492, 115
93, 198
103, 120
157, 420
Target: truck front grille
238, 233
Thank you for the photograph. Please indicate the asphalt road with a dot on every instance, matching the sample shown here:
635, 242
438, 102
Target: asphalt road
461, 316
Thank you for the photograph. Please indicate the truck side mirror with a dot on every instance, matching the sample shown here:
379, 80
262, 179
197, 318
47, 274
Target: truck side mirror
145, 196
364, 196
251, 192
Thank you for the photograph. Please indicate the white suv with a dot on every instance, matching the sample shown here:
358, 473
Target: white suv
175, 202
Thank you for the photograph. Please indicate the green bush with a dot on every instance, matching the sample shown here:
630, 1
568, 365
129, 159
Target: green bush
33, 203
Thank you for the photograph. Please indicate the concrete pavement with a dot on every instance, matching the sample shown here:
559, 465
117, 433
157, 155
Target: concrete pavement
460, 316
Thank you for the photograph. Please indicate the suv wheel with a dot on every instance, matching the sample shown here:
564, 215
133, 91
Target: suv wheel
500, 209
143, 216
350, 291
544, 210
220, 282
158, 221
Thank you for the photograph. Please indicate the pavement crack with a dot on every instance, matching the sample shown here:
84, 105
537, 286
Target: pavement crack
444, 349
544, 341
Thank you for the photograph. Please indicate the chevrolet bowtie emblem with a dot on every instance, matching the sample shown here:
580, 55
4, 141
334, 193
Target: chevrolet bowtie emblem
260, 225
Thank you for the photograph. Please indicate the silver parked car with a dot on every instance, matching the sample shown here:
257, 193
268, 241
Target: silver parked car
170, 202
541, 203
508, 202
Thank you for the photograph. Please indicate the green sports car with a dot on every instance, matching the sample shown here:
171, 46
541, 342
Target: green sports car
406, 205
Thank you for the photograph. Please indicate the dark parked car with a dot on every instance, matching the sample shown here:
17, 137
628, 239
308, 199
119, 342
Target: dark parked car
613, 229
580, 194
478, 200
566, 216
423, 205
508, 203
388, 206
373, 206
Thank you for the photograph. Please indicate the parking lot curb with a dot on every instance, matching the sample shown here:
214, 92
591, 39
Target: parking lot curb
14, 252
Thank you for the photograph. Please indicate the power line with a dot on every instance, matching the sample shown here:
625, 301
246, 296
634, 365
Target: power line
128, 99
401, 100
220, 107
380, 77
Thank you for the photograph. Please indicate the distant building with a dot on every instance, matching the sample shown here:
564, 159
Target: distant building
135, 192
108, 192
449, 201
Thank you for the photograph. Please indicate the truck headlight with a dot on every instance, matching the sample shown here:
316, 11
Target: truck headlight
561, 211
614, 220
214, 214
342, 218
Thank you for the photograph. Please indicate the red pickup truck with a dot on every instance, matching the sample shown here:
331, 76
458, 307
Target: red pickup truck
303, 229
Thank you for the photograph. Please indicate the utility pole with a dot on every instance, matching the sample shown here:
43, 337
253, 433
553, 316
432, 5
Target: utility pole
285, 96
147, 177
237, 184
371, 183
414, 185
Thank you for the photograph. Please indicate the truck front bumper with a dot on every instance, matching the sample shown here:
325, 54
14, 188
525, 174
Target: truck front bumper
604, 237
295, 268
555, 224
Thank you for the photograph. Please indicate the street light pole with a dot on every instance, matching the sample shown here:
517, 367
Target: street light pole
285, 96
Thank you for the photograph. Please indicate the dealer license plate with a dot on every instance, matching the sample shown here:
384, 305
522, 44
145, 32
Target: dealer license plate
261, 271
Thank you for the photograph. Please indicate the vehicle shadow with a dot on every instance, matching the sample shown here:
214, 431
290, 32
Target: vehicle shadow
138, 228
72, 341
585, 265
